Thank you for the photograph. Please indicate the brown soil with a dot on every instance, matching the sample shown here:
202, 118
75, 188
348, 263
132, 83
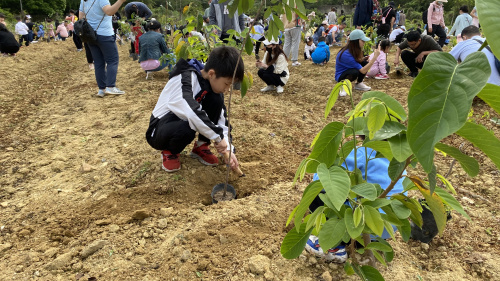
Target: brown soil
83, 195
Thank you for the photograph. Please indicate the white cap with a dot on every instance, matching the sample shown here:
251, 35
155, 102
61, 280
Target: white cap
267, 42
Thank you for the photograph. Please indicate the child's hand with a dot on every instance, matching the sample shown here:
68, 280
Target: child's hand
221, 146
234, 162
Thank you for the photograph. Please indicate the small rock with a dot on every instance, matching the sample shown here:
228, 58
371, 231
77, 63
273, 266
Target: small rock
4, 204
462, 223
162, 223
51, 252
92, 248
223, 239
103, 222
114, 228
5, 247
312, 260
186, 255
424, 247
60, 262
326, 276
140, 215
85, 168
258, 264
140, 261
24, 232
146, 234
19, 268
9, 149
166, 211
441, 248
333, 266
269, 276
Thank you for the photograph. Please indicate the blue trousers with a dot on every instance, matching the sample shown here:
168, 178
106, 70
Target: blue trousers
105, 54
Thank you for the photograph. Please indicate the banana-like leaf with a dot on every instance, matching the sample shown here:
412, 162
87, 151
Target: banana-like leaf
482, 139
440, 99
488, 11
469, 164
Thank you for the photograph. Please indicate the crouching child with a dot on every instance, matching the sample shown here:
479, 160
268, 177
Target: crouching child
193, 102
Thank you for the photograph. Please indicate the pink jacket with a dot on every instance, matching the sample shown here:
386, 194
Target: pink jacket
379, 66
61, 30
435, 14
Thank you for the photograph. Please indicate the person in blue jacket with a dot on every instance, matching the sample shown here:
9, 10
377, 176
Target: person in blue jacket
321, 54
374, 172
363, 13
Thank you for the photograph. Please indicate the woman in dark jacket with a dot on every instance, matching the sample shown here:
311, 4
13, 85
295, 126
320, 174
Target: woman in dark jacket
152, 46
8, 43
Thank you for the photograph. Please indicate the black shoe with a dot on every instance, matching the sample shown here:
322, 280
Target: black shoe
413, 74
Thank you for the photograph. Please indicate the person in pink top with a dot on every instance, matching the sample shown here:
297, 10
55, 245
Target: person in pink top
50, 30
380, 68
62, 32
435, 21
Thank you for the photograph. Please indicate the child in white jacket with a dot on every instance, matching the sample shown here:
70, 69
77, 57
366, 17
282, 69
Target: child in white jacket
309, 48
380, 68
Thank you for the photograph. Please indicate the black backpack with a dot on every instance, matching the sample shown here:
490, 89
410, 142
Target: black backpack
83, 29
424, 16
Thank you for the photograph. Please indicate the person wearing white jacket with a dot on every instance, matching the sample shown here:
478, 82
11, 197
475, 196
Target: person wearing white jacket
22, 30
461, 22
273, 69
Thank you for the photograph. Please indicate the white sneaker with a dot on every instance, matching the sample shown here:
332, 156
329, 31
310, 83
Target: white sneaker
268, 88
91, 66
101, 93
296, 63
79, 50
279, 89
361, 87
114, 91
342, 92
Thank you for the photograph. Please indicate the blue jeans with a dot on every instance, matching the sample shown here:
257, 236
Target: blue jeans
162, 66
105, 54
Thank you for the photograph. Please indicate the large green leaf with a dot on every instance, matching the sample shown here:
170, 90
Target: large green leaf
326, 146
468, 163
336, 183
390, 129
489, 94
374, 220
400, 209
331, 233
366, 190
405, 230
332, 99
389, 101
379, 246
311, 191
488, 11
380, 146
358, 123
371, 274
294, 242
451, 201
395, 169
376, 119
440, 99
353, 230
400, 147
482, 139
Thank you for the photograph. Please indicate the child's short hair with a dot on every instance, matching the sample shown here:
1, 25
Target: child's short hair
383, 44
18, 18
2, 16
154, 25
321, 39
223, 60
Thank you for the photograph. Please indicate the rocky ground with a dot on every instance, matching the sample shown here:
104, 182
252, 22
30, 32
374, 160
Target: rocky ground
83, 196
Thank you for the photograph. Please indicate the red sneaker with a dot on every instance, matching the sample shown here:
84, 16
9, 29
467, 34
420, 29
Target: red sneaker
381, 76
170, 162
204, 155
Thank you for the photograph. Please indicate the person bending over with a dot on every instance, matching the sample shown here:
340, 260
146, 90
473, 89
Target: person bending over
273, 69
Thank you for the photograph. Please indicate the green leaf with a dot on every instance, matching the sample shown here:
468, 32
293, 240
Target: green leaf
336, 183
315, 218
395, 168
376, 119
469, 164
353, 230
326, 146
388, 227
348, 268
245, 84
288, 12
301, 170
380, 146
379, 257
358, 216
248, 46
405, 230
390, 216
448, 184
489, 94
294, 242
379, 246
371, 274
440, 99
435, 204
482, 139
311, 191
400, 147
389, 101
488, 11
346, 149
331, 233
377, 203
401, 211
366, 190
290, 217
332, 99
358, 123
373, 220
451, 201
233, 7
390, 129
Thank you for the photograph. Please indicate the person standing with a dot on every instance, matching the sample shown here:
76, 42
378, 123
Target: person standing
104, 50
332, 16
388, 19
22, 30
207, 10
363, 13
402, 18
462, 21
219, 15
475, 19
435, 21
292, 37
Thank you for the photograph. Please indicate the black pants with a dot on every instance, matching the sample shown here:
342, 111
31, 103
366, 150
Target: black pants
77, 41
353, 74
409, 58
439, 31
225, 36
9, 49
257, 46
25, 38
173, 134
88, 53
269, 77
383, 30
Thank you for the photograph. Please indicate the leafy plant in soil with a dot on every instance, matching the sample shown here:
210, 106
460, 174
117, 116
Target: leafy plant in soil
439, 102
